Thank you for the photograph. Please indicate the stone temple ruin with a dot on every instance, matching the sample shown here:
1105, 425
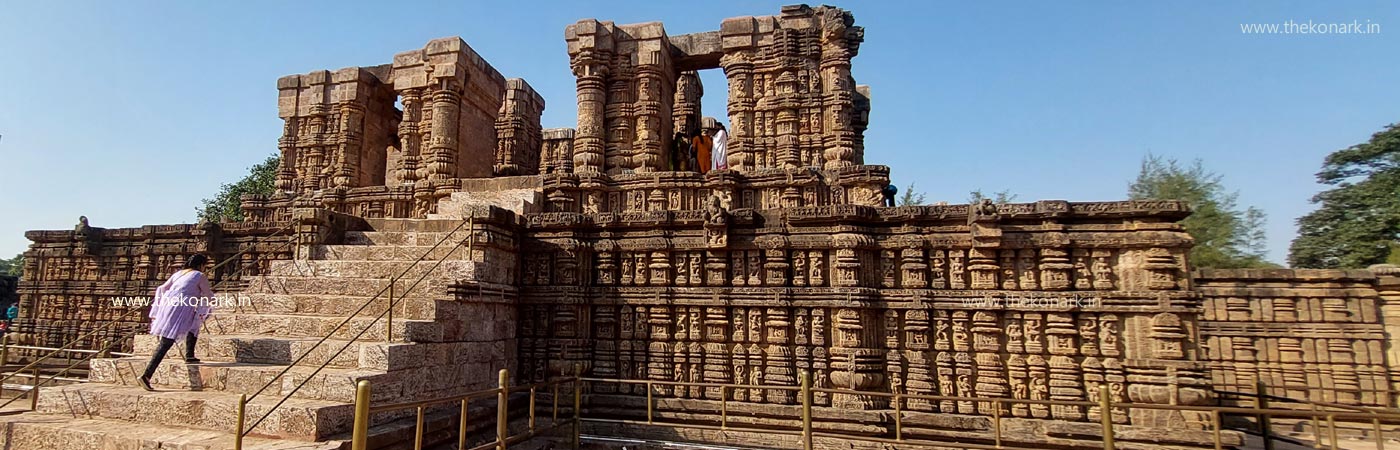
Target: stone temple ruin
587, 253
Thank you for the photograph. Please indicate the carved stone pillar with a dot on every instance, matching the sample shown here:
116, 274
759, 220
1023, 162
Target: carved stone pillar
920, 379
856, 364
660, 355
1064, 371
592, 97
738, 68
442, 151
650, 109
349, 148
286, 167
991, 380
778, 356
403, 166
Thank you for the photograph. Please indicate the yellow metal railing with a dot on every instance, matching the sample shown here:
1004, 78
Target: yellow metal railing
359, 437
1386, 396
1262, 402
243, 429
38, 381
1105, 404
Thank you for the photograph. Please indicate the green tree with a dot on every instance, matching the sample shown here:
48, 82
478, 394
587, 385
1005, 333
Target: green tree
1226, 236
1357, 221
976, 197
912, 197
13, 267
225, 205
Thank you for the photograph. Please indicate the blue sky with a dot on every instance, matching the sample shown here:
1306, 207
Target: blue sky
130, 112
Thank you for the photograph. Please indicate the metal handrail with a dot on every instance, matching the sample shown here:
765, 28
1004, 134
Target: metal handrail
243, 400
34, 392
71, 350
1387, 395
1105, 404
359, 437
34, 364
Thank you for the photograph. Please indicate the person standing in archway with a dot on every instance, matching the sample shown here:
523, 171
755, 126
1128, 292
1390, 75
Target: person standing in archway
701, 144
720, 151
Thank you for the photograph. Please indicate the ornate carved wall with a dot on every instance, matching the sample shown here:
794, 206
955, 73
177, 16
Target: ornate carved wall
1309, 334
557, 151
1042, 301
347, 147
792, 102
72, 278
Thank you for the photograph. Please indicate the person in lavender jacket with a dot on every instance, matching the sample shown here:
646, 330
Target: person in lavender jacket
180, 307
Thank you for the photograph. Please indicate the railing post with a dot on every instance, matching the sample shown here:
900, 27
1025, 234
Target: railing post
389, 323
898, 419
996, 421
462, 427
242, 417
723, 407
1332, 431
1380, 442
502, 426
1106, 416
34, 391
1316, 424
418, 431
649, 390
1266, 429
578, 404
532, 410
554, 417
806, 410
1215, 429
5, 348
359, 435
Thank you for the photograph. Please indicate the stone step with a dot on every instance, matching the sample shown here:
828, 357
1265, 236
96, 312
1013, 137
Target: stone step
461, 204
428, 225
372, 354
363, 355
407, 253
330, 383
340, 305
409, 238
294, 325
465, 368
406, 271
300, 419
39, 431
431, 287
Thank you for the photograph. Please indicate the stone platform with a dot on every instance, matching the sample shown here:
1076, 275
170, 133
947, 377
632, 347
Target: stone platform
445, 341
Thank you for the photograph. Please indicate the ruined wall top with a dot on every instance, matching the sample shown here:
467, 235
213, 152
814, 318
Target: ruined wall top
792, 102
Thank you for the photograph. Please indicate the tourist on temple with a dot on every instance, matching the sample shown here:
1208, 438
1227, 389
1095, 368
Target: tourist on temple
680, 153
701, 144
888, 193
11, 314
721, 161
181, 305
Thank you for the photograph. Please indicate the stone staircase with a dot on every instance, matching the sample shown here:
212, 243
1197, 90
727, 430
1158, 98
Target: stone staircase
444, 343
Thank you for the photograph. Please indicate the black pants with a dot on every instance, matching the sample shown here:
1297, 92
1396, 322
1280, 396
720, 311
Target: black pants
164, 347
889, 201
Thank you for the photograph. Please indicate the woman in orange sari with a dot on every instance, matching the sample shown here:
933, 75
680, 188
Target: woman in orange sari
701, 144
